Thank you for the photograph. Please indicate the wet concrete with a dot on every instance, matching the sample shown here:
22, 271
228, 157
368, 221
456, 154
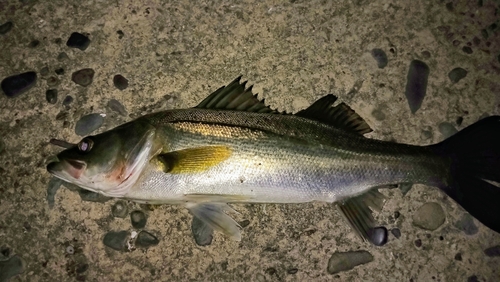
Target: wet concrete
294, 52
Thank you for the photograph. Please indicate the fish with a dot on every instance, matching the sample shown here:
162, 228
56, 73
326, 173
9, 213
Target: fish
233, 148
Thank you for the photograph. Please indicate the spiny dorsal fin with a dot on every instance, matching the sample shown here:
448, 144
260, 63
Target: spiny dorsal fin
235, 97
340, 116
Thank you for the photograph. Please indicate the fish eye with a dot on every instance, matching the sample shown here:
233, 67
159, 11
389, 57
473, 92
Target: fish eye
85, 145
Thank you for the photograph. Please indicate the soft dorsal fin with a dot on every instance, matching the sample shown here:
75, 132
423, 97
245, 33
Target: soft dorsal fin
340, 116
235, 97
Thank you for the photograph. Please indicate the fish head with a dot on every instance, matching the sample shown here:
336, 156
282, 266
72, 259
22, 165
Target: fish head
108, 163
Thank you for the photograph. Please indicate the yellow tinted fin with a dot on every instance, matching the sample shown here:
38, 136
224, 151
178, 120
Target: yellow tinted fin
194, 159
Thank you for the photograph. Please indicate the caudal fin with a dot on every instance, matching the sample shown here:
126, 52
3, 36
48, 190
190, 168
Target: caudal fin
475, 169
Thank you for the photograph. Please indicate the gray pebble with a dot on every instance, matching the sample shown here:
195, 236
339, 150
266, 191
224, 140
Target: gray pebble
44, 71
378, 114
466, 224
52, 187
378, 236
51, 96
427, 134
62, 56
116, 106
119, 209
244, 223
10, 268
339, 262
381, 58
6, 27
430, 216
67, 100
138, 219
447, 129
83, 77
34, 43
116, 240
493, 251
416, 84
146, 240
16, 85
396, 232
52, 81
467, 50
120, 82
90, 196
457, 74
70, 250
87, 124
202, 233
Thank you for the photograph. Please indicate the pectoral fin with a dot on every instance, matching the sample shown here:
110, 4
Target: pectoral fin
193, 159
213, 214
357, 213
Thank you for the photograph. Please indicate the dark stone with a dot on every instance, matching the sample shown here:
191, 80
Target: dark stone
244, 223
405, 188
459, 121
202, 233
467, 50
67, 100
119, 209
466, 224
378, 236
120, 34
15, 85
83, 77
44, 71
5, 251
34, 43
62, 56
493, 251
472, 278
271, 270
418, 243
78, 40
82, 268
456, 42
396, 232
118, 107
90, 196
458, 257
292, 271
59, 71
381, 58
10, 268
476, 40
416, 84
138, 219
120, 82
6, 27
146, 240
116, 240
339, 262
447, 129
88, 123
58, 40
397, 214
51, 96
457, 74
449, 6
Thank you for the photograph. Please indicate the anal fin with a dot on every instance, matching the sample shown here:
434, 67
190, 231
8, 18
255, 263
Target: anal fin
356, 211
214, 215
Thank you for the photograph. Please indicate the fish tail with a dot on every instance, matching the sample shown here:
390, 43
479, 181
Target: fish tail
474, 180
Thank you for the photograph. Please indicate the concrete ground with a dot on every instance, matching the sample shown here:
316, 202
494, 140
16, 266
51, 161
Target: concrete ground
173, 55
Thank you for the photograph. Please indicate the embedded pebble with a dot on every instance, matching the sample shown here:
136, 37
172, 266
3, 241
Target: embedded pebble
292, 271
138, 219
381, 58
458, 257
52, 81
146, 240
396, 232
466, 224
457, 74
78, 40
416, 84
90, 196
467, 50
52, 187
378, 236
418, 243
116, 106
202, 233
6, 27
4, 252
10, 268
447, 129
244, 223
120, 82
59, 71
44, 71
119, 209
70, 250
34, 43
51, 96
378, 114
472, 278
88, 123
339, 262
116, 240
67, 100
15, 85
62, 56
493, 251
2, 146
83, 77
429, 216
405, 188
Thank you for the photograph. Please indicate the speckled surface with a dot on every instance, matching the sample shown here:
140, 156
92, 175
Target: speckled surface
294, 52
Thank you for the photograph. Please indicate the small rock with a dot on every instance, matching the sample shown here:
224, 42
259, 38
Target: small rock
6, 27
493, 251
292, 271
120, 34
118, 107
2, 146
15, 85
34, 43
378, 114
83, 77
62, 56
70, 250
429, 216
244, 223
58, 40
202, 233
418, 243
459, 121
52, 187
457, 74
90, 196
59, 71
51, 96
416, 84
5, 252
466, 224
427, 134
138, 219
78, 40
458, 257
119, 209
396, 232
52, 81
44, 71
378, 236
10, 268
82, 268
146, 240
116, 240
381, 58
339, 262
120, 82
472, 278
447, 129
87, 124
67, 100
467, 50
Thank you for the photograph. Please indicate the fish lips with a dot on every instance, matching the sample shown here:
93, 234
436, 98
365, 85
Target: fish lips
65, 168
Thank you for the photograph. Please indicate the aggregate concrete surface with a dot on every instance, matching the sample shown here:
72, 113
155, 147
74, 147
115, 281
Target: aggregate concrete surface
174, 53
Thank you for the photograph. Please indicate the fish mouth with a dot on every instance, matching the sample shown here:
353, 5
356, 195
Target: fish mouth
67, 169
